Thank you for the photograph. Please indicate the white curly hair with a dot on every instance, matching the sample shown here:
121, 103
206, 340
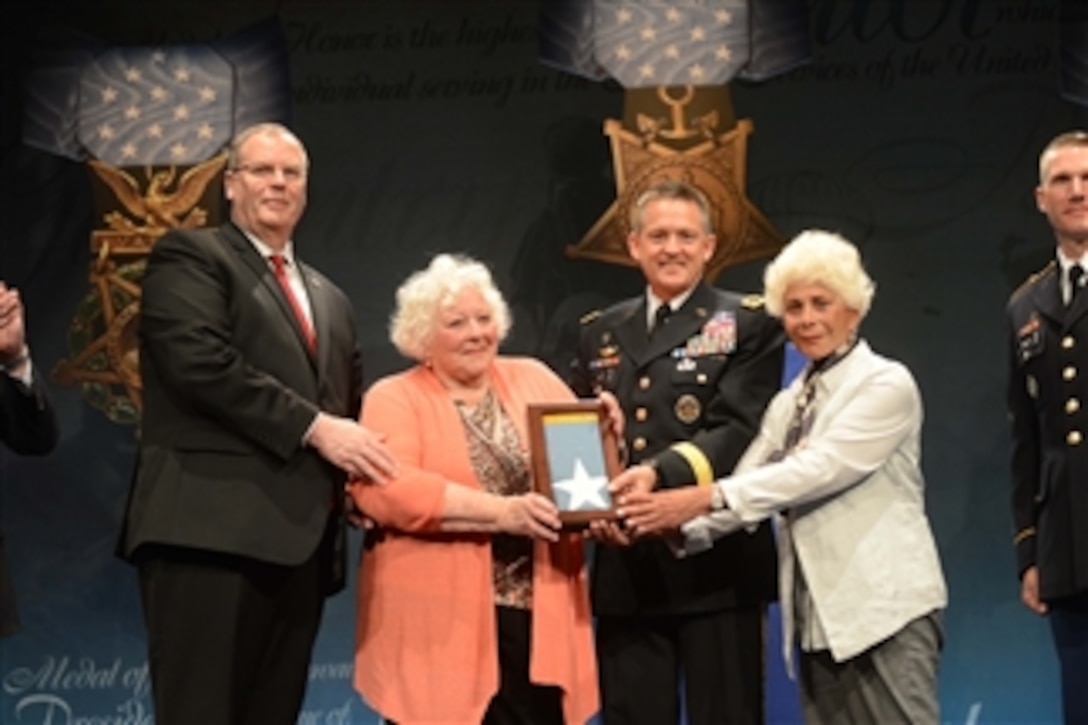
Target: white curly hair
816, 256
426, 291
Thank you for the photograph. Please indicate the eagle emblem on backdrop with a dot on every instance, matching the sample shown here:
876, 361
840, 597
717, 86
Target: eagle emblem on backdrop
675, 61
152, 124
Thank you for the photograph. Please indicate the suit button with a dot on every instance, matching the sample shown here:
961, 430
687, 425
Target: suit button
1074, 438
1068, 342
641, 414
639, 443
701, 378
1069, 372
644, 382
1072, 406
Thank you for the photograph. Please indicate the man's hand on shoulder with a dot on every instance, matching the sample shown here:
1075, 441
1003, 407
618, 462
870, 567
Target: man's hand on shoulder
358, 451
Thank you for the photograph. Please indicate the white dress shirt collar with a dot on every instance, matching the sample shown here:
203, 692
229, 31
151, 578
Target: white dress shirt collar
653, 302
288, 251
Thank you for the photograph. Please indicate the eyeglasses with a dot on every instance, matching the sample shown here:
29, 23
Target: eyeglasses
266, 172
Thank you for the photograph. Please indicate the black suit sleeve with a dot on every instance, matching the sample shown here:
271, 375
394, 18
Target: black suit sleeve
28, 424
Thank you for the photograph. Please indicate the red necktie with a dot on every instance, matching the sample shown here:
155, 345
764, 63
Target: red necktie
280, 265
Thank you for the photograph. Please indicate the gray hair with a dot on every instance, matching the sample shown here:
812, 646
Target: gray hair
816, 256
671, 190
428, 290
1061, 141
263, 129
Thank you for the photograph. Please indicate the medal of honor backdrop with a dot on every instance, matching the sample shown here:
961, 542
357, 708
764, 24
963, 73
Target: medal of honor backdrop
432, 126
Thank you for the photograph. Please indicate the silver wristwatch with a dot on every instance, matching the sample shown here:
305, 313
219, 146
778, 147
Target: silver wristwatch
717, 498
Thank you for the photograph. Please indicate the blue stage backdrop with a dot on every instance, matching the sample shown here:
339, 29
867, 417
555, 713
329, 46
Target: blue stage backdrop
432, 126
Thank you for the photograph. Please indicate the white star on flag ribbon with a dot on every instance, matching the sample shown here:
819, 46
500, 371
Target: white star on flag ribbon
156, 105
701, 42
654, 43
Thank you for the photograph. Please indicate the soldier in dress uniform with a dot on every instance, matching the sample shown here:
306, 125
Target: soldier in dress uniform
1047, 391
693, 368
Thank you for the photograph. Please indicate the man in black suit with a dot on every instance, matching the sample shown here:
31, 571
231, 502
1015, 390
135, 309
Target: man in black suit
251, 386
28, 425
693, 368
1048, 403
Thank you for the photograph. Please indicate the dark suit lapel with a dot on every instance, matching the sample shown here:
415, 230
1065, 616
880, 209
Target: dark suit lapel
263, 271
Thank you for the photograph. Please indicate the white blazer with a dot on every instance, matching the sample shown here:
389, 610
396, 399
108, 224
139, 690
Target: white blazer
854, 492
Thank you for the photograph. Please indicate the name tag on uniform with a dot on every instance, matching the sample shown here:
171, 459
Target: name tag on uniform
1029, 338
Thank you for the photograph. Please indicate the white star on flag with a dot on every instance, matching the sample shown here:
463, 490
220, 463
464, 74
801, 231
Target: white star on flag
585, 491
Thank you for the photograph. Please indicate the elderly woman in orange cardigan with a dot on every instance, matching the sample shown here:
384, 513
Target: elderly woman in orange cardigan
472, 605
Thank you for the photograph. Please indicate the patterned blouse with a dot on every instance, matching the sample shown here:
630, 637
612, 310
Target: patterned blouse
501, 465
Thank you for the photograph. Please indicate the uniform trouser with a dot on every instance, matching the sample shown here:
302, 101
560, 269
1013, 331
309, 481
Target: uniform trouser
229, 638
718, 656
1069, 626
892, 682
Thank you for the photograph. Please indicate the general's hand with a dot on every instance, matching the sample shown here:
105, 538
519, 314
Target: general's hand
608, 532
12, 329
530, 514
1029, 591
357, 450
636, 479
664, 511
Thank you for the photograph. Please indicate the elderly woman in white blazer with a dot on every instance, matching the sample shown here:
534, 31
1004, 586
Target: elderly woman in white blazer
837, 460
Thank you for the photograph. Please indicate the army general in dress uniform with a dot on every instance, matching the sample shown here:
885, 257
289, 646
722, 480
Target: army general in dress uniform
1047, 394
693, 368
